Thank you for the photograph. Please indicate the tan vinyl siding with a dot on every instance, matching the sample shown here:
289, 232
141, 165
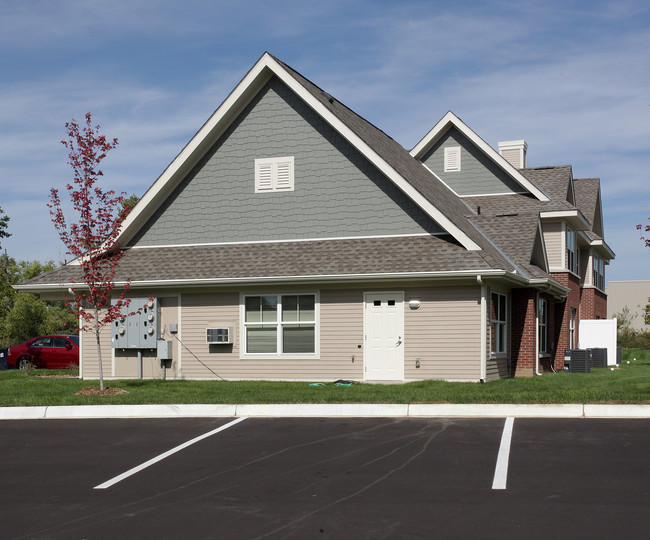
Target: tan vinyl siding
554, 242
208, 310
341, 314
444, 333
89, 368
497, 366
341, 331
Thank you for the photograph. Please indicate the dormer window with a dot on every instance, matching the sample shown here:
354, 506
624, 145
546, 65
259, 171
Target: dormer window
452, 158
274, 174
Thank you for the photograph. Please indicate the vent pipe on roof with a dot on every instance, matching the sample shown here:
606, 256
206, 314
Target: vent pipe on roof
514, 152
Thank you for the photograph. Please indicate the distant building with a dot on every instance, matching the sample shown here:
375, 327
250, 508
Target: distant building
634, 295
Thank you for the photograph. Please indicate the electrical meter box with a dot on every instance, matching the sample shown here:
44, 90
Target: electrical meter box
164, 350
138, 331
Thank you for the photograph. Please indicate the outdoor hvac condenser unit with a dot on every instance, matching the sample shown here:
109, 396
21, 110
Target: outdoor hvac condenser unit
218, 336
577, 361
598, 357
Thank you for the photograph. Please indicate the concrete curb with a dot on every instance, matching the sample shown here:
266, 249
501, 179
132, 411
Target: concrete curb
366, 410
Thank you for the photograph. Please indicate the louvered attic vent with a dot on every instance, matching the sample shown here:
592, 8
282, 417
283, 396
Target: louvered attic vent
452, 158
274, 174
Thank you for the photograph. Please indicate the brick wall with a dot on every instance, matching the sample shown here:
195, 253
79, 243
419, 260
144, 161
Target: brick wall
593, 304
523, 332
562, 314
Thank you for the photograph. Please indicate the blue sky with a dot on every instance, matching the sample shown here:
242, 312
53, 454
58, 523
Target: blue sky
572, 78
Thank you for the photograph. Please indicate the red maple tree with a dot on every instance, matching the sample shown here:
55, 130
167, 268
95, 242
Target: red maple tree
92, 237
644, 229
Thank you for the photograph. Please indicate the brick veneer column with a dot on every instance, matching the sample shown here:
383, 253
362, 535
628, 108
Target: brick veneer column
593, 304
560, 329
523, 332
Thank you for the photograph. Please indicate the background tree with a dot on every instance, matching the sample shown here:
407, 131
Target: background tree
23, 315
92, 236
4, 224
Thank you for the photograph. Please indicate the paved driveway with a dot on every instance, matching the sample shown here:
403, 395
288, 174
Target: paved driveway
324, 478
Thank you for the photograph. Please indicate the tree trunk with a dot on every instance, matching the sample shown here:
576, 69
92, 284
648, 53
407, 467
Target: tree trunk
99, 350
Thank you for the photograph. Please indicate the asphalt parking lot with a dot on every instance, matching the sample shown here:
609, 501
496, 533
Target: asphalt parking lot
324, 478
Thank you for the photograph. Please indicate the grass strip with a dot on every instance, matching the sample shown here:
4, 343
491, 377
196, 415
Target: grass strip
629, 384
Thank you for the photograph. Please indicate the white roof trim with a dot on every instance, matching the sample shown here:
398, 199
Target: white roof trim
450, 119
317, 278
259, 74
573, 217
604, 247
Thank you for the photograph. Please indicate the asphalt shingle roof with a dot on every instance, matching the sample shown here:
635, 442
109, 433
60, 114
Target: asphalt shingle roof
348, 257
587, 190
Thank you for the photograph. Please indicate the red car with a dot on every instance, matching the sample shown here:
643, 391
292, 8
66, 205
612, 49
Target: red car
50, 352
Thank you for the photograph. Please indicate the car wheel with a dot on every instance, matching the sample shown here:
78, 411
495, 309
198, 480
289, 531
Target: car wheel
24, 362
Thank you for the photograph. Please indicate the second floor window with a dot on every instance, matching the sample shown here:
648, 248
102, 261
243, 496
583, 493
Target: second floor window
571, 251
599, 273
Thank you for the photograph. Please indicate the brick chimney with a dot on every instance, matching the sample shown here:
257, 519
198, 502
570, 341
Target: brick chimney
514, 152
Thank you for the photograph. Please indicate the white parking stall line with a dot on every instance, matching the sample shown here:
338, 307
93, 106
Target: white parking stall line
152, 461
501, 470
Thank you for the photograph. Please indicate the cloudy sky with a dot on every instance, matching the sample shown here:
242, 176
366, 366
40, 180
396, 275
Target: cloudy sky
570, 77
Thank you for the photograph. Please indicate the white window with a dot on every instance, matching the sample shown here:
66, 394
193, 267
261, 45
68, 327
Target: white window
274, 174
542, 318
571, 251
498, 321
452, 158
599, 273
279, 324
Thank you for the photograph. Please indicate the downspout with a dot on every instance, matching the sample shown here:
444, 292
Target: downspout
483, 375
537, 334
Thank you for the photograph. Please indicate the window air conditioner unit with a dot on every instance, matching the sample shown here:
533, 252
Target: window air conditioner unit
218, 336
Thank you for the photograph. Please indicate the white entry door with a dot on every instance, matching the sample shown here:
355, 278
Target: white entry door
384, 336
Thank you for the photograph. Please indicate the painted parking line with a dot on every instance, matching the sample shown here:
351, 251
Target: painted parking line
178, 448
501, 469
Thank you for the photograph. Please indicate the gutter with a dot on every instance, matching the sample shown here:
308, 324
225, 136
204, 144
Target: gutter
256, 280
483, 362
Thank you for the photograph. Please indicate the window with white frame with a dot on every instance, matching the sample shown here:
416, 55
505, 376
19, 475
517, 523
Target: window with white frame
279, 324
571, 250
542, 322
274, 174
452, 158
598, 272
498, 322
572, 328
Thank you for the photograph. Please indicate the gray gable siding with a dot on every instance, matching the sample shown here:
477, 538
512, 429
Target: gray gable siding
479, 175
338, 193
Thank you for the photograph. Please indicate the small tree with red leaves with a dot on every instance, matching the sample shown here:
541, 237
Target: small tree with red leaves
92, 237
644, 230
645, 237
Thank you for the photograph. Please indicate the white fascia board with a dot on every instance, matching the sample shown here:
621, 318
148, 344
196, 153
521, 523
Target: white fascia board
259, 280
573, 217
450, 119
602, 246
373, 157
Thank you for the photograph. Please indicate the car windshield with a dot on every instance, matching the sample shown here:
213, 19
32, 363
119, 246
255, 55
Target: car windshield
74, 339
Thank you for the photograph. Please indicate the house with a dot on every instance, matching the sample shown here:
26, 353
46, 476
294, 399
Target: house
292, 239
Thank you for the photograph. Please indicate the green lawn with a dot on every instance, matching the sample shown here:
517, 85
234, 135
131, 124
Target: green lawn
629, 384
